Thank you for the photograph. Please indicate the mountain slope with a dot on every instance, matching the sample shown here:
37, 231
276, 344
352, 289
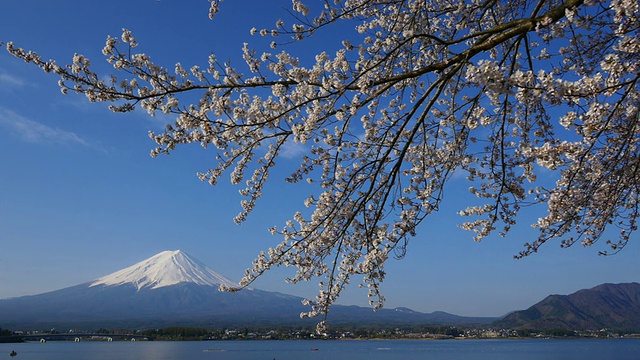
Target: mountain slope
614, 306
168, 288
172, 289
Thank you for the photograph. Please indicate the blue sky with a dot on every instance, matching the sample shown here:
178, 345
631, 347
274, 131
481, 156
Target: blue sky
80, 197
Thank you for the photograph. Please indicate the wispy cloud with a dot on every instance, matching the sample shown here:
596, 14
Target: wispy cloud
35, 132
9, 81
292, 150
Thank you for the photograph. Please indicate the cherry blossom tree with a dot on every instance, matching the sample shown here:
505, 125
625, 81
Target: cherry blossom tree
494, 91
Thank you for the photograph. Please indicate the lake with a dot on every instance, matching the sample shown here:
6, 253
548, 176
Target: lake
618, 349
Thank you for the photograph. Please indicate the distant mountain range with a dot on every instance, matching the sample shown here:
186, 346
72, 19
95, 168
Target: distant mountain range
171, 289
611, 306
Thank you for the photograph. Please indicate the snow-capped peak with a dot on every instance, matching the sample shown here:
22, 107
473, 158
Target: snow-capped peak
165, 269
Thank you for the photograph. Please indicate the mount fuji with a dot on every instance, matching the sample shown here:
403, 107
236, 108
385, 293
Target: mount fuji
168, 289
173, 289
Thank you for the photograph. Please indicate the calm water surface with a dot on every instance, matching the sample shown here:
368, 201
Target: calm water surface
329, 350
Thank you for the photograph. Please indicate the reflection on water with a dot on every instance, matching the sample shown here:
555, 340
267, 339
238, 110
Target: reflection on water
329, 350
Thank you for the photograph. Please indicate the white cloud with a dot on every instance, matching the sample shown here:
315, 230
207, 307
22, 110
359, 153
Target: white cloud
35, 132
291, 150
8, 81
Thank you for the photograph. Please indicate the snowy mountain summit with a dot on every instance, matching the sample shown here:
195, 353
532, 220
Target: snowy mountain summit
165, 269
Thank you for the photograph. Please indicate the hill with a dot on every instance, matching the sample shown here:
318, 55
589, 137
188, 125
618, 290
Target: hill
612, 306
